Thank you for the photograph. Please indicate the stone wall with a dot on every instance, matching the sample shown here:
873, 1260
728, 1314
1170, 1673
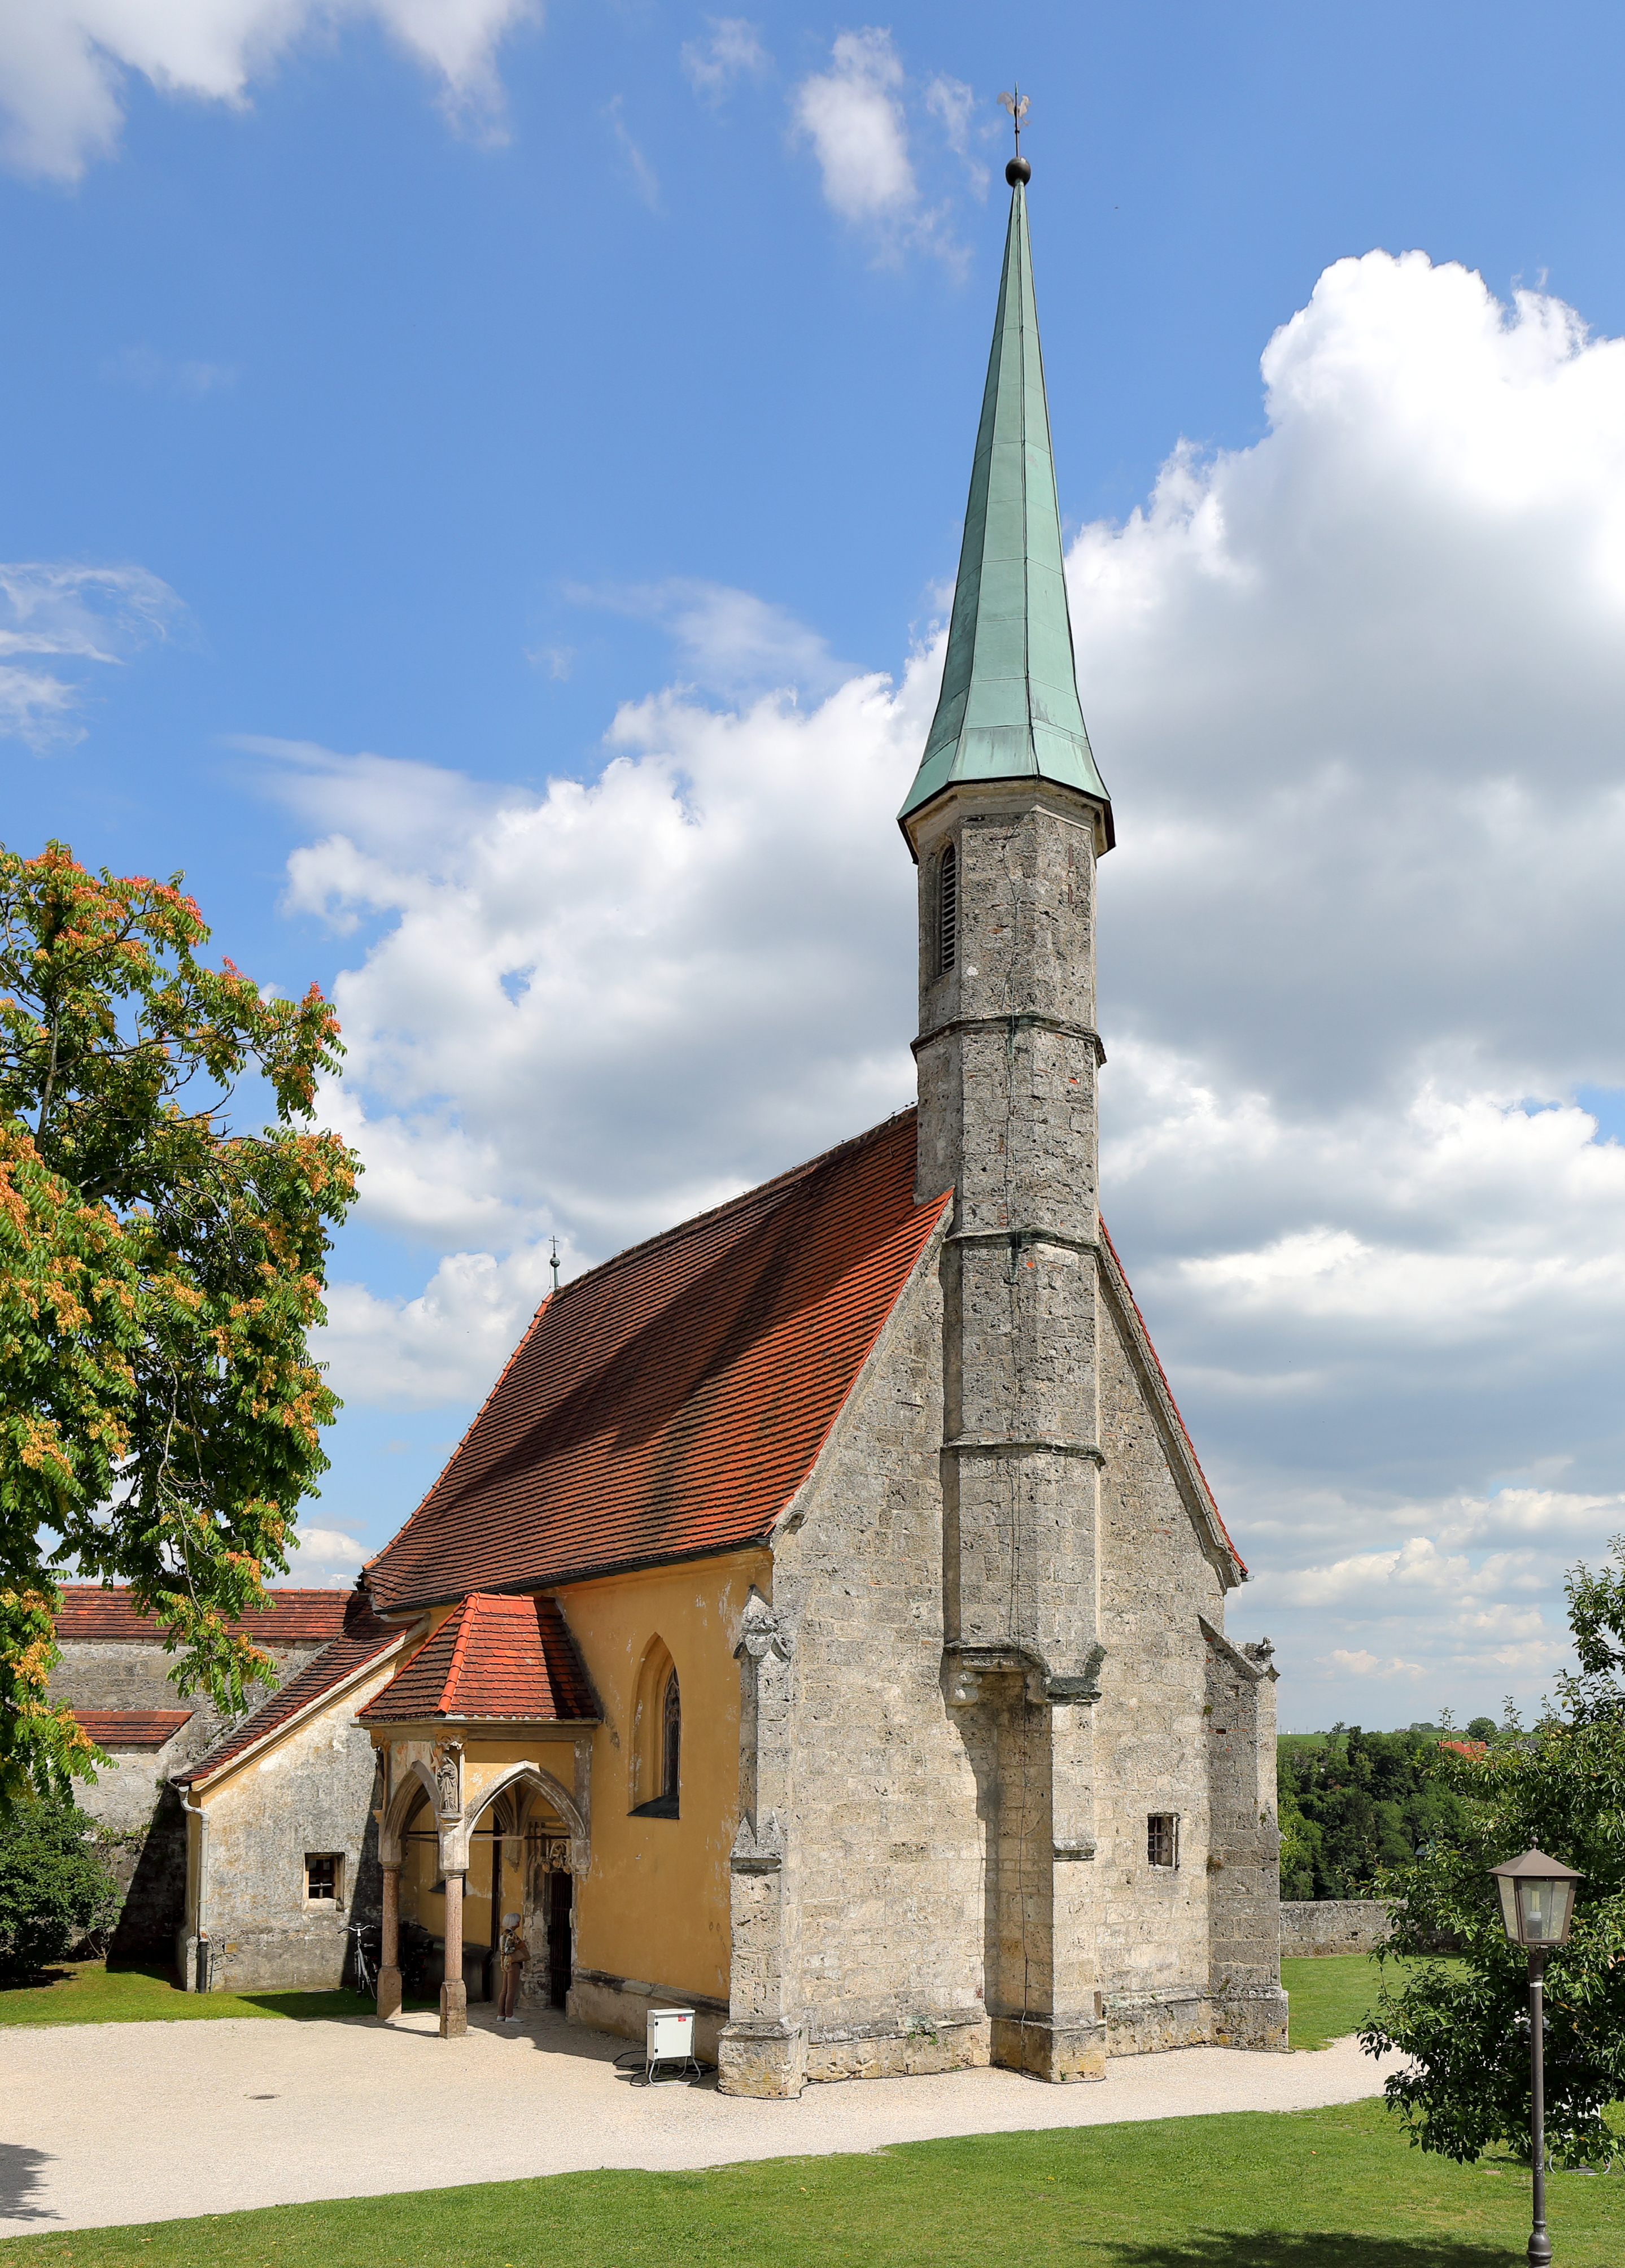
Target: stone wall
1152, 1735
312, 1789
859, 1882
892, 1879
131, 1795
1333, 1926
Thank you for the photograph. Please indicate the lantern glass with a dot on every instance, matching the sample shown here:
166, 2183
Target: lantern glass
1543, 1908
1507, 1887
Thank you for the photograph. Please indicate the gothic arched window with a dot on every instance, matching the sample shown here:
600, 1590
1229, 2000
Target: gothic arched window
947, 909
671, 1739
656, 1735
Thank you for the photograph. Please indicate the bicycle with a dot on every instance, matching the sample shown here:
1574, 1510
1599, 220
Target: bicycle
366, 1968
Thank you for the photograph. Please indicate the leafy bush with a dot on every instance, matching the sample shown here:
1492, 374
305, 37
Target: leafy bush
1356, 1803
54, 1886
1560, 1789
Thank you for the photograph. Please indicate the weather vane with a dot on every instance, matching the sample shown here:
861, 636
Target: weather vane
1017, 105
554, 1264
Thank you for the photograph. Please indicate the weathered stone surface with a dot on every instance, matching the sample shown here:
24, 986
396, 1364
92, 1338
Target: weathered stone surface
131, 1795
1332, 1925
311, 1791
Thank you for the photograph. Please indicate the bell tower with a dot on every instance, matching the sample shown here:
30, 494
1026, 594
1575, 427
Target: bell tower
1006, 820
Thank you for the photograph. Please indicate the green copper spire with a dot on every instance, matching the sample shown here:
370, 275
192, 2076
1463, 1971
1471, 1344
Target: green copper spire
1009, 706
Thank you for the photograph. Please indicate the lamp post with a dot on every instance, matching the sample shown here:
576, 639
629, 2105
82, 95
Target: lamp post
1537, 1905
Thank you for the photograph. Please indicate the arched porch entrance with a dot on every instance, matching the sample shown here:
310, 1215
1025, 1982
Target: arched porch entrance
518, 1862
464, 1839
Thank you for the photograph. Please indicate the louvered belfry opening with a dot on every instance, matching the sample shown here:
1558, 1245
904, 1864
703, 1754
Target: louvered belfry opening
948, 908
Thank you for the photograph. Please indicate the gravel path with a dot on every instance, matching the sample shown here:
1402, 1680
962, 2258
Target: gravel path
101, 2124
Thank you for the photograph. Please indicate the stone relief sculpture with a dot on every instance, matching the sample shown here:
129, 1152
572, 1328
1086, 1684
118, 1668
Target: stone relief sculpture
446, 1763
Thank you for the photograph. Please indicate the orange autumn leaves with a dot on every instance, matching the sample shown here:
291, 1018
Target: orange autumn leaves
160, 1269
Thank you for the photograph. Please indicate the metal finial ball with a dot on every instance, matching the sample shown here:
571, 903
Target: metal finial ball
1018, 170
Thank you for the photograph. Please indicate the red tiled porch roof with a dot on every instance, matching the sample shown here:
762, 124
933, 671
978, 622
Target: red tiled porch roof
670, 1402
132, 1728
495, 1656
294, 1617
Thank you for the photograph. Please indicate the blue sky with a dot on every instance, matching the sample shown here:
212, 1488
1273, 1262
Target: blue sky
615, 371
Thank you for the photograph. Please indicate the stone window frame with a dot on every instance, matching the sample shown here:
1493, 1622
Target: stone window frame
1162, 1841
947, 907
320, 1900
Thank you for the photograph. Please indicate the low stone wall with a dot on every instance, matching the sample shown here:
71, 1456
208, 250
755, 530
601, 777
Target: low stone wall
1333, 1926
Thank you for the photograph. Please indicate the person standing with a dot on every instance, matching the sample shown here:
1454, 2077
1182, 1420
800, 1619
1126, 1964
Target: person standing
514, 1954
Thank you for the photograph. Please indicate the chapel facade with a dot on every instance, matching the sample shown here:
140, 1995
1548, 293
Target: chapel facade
821, 1625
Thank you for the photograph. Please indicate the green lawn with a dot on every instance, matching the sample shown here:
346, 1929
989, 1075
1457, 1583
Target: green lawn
1329, 1997
138, 1992
1313, 2188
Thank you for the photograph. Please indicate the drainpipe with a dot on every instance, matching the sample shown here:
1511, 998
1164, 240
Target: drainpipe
200, 1974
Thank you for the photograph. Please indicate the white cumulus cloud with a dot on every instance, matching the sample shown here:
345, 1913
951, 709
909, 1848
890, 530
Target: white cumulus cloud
323, 1558
63, 64
1357, 688
853, 116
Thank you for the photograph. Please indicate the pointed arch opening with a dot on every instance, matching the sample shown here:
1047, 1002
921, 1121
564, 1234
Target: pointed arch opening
947, 909
657, 1741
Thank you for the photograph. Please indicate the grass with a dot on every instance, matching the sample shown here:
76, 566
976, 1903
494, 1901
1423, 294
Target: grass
143, 1992
1313, 2188
1329, 1997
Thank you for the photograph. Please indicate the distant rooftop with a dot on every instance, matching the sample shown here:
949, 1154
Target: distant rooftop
294, 1618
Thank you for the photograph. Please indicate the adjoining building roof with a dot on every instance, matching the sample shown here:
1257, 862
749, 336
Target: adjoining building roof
1009, 706
362, 1639
496, 1656
670, 1402
294, 1618
132, 1728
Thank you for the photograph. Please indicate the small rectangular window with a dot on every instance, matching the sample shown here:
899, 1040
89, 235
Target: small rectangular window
1162, 1838
322, 1877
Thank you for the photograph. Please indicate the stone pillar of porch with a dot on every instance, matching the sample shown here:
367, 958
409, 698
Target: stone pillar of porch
453, 1992
389, 1952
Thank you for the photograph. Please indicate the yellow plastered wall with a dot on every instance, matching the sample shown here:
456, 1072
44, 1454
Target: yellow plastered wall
655, 1905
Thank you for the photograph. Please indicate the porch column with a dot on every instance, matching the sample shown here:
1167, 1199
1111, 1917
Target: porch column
389, 1953
453, 1994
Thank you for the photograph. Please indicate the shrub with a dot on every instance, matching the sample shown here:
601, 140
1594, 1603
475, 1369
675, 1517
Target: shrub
1560, 1789
55, 1888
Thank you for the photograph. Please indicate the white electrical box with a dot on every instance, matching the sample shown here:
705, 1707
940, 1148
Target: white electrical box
669, 2036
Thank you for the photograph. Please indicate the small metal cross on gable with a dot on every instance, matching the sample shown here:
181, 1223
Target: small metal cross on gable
1017, 105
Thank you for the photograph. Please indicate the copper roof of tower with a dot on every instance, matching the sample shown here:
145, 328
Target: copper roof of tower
1009, 706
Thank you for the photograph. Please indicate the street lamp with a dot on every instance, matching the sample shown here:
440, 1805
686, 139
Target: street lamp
1537, 1905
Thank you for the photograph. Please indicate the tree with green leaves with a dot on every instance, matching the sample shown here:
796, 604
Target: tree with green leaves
1355, 1802
1465, 2024
57, 1888
160, 1411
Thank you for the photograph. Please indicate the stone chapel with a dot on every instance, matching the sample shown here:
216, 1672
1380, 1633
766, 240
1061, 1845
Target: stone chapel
821, 1625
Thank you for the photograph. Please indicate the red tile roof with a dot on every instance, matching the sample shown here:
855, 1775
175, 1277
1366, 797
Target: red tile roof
362, 1637
132, 1728
495, 1656
670, 1402
294, 1618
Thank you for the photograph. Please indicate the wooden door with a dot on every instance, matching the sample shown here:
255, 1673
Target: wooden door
560, 1888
